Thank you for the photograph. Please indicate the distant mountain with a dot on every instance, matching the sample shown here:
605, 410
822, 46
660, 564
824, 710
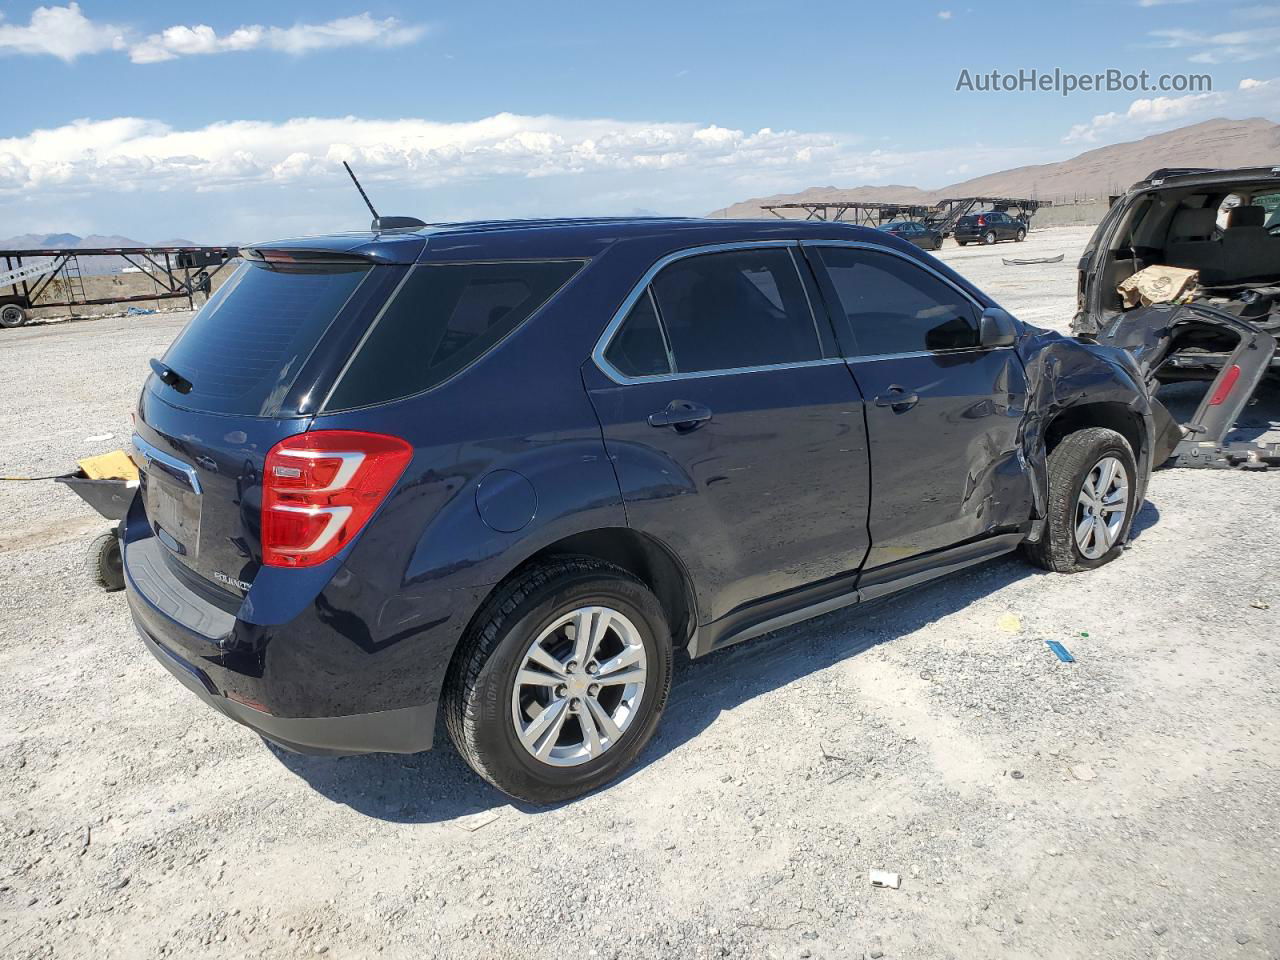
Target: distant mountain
62, 241
35, 241
1095, 173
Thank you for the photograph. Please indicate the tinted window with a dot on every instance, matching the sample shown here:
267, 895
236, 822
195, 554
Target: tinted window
894, 306
443, 318
245, 347
742, 308
637, 349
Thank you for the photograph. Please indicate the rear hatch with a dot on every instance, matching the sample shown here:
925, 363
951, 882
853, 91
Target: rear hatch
249, 370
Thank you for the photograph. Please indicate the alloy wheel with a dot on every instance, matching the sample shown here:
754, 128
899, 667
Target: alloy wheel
1101, 507
579, 686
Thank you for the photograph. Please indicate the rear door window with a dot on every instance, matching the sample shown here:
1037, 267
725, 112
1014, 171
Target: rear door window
245, 347
444, 317
893, 306
740, 308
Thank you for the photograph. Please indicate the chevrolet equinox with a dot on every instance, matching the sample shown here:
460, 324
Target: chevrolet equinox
502, 471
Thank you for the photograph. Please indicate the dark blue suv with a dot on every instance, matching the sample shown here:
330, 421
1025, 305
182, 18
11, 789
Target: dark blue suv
503, 470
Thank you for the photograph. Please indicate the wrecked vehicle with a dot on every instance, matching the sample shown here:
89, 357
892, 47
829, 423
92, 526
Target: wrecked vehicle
1184, 273
501, 471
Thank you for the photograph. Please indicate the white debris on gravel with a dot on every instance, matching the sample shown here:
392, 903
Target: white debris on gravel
932, 732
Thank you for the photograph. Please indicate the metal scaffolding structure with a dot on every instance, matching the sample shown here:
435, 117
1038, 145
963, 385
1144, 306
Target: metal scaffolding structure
852, 211
56, 279
944, 214
940, 216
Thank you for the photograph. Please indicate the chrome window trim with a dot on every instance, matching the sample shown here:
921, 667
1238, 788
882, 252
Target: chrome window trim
153, 455
637, 291
878, 248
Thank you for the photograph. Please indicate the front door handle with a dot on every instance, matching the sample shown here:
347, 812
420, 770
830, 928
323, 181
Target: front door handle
897, 398
684, 415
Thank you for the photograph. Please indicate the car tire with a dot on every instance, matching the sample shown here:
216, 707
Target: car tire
963, 243
494, 719
1020, 236
12, 315
1078, 465
989, 237
103, 562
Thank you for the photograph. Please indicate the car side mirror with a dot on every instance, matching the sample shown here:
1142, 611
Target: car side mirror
996, 329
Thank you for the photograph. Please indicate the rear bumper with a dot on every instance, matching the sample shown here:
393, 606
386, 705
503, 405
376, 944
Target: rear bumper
303, 683
408, 730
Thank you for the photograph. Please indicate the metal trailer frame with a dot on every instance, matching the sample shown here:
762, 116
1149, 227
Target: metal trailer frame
940, 216
863, 214
173, 274
944, 214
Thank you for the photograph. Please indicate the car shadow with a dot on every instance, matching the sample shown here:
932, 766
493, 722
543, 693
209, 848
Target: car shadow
438, 786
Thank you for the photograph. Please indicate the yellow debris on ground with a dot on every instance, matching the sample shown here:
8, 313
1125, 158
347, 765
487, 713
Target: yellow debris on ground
1009, 622
115, 465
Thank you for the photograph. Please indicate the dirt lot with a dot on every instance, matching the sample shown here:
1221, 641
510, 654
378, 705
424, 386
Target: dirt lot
1126, 805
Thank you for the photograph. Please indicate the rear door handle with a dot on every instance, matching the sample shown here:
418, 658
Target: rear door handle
898, 398
682, 414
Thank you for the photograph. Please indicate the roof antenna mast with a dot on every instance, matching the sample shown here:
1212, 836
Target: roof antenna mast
363, 196
382, 224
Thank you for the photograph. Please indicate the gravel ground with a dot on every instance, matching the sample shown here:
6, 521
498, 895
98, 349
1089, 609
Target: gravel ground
1126, 805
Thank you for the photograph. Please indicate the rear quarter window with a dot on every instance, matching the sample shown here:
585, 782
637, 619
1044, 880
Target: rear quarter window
443, 318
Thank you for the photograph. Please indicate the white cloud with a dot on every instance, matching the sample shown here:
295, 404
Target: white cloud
1148, 114
62, 32
66, 33
361, 30
129, 152
1272, 85
944, 14
1232, 46
1161, 3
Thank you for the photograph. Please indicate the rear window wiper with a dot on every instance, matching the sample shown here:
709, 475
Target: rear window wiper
170, 377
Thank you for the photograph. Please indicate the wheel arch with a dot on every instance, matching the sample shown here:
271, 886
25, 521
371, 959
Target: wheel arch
646, 558
1112, 414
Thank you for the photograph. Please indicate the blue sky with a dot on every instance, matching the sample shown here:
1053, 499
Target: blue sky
228, 121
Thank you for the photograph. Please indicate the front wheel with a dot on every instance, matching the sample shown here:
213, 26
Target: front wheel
562, 680
1092, 485
104, 562
1021, 235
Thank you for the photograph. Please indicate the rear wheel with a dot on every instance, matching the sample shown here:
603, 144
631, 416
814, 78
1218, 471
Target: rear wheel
12, 315
963, 243
562, 680
989, 237
1092, 483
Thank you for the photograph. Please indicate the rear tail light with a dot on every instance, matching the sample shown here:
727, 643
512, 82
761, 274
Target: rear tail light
1224, 385
319, 489
982, 221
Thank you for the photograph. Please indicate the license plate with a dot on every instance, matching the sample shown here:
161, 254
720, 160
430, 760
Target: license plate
174, 512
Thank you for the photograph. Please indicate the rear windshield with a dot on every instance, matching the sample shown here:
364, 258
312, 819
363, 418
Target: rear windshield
246, 346
443, 318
